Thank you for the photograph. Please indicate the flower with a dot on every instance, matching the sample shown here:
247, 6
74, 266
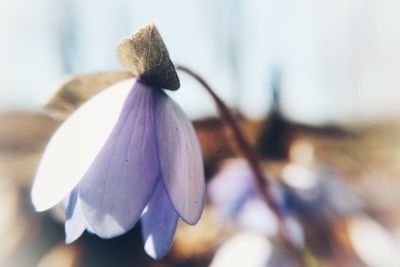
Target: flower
129, 152
236, 198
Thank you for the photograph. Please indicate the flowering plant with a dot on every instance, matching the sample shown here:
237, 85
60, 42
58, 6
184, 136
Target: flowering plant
126, 154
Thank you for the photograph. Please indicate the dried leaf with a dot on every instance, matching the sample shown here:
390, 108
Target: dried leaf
145, 55
77, 89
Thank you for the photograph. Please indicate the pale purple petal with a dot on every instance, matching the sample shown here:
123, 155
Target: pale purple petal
180, 159
159, 223
75, 222
75, 145
123, 176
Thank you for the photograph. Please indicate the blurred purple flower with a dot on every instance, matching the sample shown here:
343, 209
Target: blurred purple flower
319, 197
236, 198
125, 154
320, 194
231, 187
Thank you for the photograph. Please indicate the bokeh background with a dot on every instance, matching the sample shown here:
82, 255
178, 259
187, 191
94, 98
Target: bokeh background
315, 85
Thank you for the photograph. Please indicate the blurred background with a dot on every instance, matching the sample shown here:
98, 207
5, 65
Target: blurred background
314, 84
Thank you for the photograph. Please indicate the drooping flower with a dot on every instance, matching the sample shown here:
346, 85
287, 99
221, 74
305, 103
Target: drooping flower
128, 153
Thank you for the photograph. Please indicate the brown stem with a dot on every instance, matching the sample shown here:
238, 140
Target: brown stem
263, 183
243, 144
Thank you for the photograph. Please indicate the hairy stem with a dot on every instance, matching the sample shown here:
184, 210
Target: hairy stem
245, 148
242, 143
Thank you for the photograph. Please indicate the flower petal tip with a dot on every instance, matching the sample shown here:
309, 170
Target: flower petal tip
193, 217
153, 252
159, 221
69, 240
40, 202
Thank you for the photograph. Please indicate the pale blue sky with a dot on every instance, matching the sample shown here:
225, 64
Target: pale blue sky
339, 60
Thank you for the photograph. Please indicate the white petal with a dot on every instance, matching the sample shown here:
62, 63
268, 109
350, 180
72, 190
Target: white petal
75, 145
180, 159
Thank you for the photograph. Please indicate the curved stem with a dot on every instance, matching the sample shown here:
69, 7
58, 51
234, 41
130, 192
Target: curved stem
243, 144
263, 182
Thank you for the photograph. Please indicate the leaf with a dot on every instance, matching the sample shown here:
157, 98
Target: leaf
77, 89
146, 56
